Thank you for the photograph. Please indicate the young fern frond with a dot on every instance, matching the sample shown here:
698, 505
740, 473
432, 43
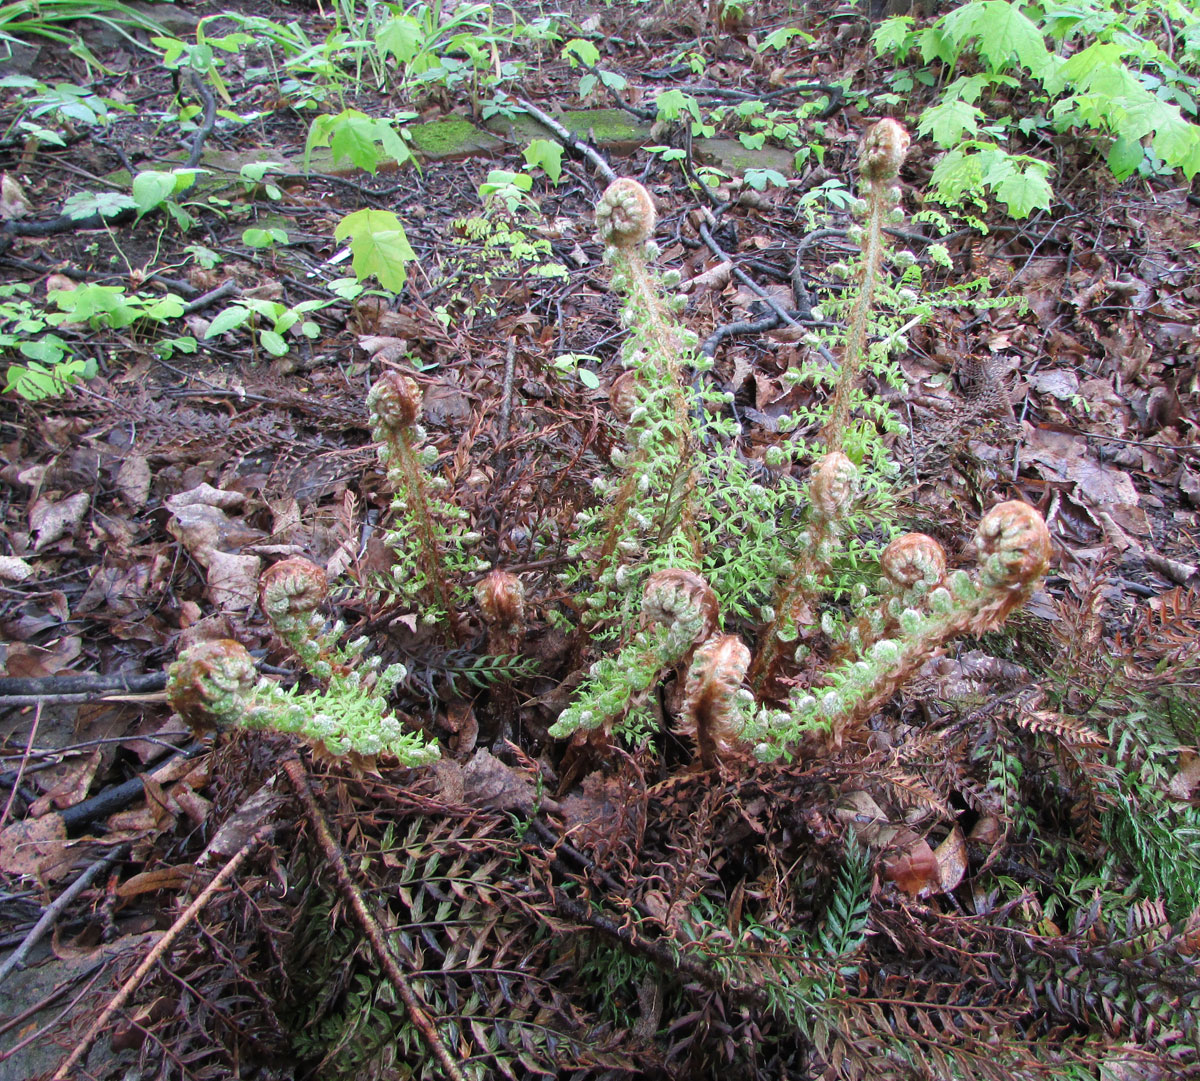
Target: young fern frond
214, 684
431, 546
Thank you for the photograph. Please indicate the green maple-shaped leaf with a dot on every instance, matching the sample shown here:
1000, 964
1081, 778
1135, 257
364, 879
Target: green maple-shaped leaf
379, 245
354, 140
400, 36
1003, 32
355, 137
105, 203
1177, 142
947, 122
548, 155
1021, 190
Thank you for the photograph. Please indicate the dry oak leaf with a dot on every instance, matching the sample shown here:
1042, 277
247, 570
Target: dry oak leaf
133, 481
14, 203
52, 520
65, 785
951, 856
200, 524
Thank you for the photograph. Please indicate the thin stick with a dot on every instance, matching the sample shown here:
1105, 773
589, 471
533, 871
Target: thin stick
155, 955
37, 719
567, 139
55, 909
417, 1010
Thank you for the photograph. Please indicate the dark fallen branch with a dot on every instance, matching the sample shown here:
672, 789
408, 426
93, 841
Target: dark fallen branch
745, 278
90, 683
745, 326
225, 289
118, 796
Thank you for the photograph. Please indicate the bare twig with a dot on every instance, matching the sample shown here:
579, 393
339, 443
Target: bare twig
506, 398
417, 1011
55, 909
569, 140
114, 1004
225, 289
37, 719
745, 278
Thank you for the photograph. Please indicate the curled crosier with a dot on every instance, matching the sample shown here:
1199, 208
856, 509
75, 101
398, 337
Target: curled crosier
292, 587
883, 152
1013, 545
210, 684
394, 402
678, 598
625, 215
913, 558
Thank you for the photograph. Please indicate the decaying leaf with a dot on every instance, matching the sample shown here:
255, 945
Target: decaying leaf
51, 520
36, 847
14, 203
133, 480
14, 569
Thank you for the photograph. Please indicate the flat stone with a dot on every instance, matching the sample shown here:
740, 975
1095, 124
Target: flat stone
613, 129
519, 128
730, 155
171, 17
18, 57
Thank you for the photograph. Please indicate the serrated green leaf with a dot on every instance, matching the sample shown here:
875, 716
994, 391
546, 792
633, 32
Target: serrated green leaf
671, 105
577, 49
545, 154
760, 179
151, 189
1177, 142
948, 122
401, 37
105, 203
778, 39
1003, 33
893, 36
379, 246
273, 343
353, 139
1076, 71
1124, 156
263, 238
1023, 191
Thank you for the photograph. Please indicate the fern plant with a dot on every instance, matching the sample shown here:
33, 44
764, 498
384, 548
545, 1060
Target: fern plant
656, 525
432, 548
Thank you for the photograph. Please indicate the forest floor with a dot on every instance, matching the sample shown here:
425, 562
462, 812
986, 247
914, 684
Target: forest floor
1000, 876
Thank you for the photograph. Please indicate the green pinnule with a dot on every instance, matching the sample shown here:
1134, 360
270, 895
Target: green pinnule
1013, 548
679, 611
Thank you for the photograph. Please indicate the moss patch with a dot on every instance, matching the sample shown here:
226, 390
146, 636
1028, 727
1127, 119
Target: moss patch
609, 127
442, 139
